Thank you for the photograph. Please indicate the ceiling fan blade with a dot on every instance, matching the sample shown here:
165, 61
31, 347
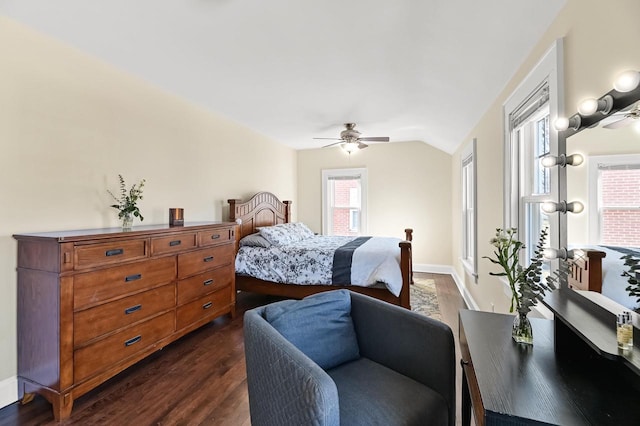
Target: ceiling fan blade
362, 145
332, 144
620, 123
330, 139
375, 139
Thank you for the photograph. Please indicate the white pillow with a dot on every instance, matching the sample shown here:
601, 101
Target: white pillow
254, 240
285, 233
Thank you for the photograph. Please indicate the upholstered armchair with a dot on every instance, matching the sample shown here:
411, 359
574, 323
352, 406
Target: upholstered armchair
356, 361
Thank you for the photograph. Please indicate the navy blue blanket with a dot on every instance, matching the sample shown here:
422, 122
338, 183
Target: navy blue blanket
342, 258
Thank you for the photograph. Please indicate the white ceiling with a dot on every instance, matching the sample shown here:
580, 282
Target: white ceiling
296, 69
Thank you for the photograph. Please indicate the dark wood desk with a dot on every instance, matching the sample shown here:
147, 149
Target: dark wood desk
511, 384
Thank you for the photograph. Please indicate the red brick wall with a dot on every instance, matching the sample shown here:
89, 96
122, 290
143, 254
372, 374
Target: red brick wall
620, 189
341, 191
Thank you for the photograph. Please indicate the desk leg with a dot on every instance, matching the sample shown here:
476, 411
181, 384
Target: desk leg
465, 409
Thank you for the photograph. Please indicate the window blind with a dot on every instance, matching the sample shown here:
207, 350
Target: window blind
530, 106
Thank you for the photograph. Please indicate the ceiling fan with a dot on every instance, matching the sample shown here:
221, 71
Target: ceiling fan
351, 140
623, 118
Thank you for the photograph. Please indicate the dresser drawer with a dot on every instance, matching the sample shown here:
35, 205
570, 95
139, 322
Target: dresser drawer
202, 260
215, 236
94, 322
94, 358
92, 288
199, 285
208, 306
173, 243
91, 255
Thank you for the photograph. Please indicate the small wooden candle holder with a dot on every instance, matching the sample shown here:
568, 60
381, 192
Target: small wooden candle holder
176, 217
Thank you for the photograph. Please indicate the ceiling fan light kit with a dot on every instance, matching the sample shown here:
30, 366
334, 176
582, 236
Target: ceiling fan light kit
351, 140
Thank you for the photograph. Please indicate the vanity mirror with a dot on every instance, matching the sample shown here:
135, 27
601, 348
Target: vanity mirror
606, 134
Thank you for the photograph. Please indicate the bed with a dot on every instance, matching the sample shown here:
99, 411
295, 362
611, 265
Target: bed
264, 209
599, 269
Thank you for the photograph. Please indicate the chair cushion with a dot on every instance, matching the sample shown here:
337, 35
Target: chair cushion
371, 394
319, 325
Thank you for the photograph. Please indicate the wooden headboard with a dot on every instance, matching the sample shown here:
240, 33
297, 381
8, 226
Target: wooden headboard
263, 209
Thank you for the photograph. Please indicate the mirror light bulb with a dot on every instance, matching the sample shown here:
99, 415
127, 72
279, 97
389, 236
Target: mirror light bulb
549, 207
550, 253
549, 161
575, 207
627, 81
561, 124
575, 159
588, 106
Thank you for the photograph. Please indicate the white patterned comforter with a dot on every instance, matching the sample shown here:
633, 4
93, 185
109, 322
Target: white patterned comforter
310, 261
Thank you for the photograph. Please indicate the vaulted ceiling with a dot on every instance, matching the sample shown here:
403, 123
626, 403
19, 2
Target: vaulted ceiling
296, 69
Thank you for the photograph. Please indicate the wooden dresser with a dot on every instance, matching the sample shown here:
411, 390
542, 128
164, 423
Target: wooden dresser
91, 303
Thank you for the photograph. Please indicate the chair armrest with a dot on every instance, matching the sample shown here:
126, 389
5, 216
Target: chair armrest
285, 386
409, 343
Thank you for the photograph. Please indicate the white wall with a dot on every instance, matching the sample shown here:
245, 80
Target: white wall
69, 124
409, 187
600, 40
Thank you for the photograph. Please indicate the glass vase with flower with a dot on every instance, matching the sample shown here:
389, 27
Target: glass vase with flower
526, 283
127, 203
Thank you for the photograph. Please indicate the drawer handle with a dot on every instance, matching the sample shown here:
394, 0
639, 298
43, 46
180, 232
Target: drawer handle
133, 277
133, 340
208, 259
132, 309
208, 282
207, 305
215, 236
114, 252
175, 243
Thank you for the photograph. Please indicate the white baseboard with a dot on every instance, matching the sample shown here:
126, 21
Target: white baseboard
449, 270
8, 391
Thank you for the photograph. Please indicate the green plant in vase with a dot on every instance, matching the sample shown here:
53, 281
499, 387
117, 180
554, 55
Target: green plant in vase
526, 284
632, 263
127, 202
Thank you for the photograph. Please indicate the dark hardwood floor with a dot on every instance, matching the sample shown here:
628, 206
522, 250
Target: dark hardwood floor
197, 380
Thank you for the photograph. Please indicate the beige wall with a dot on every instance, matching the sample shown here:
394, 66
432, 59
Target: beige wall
600, 40
69, 124
408, 187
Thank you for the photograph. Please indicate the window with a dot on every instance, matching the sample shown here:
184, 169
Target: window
527, 114
344, 202
615, 180
532, 139
469, 223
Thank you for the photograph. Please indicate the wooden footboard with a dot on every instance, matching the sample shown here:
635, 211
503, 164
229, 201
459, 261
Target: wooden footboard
586, 271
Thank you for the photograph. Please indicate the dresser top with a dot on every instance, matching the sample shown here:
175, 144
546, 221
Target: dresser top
136, 231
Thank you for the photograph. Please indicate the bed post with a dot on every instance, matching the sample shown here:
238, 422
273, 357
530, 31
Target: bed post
232, 209
408, 233
405, 268
287, 211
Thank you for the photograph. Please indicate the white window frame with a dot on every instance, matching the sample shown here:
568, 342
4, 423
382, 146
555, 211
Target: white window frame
594, 194
326, 209
548, 71
469, 183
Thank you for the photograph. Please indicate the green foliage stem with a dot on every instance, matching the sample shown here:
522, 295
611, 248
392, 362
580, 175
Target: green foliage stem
127, 202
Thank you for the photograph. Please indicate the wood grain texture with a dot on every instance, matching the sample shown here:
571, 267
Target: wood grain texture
110, 301
526, 385
199, 379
